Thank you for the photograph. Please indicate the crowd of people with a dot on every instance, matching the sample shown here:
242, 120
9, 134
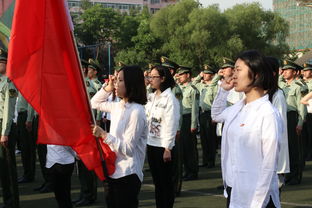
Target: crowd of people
256, 109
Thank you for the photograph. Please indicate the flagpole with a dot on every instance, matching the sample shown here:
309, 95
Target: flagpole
104, 166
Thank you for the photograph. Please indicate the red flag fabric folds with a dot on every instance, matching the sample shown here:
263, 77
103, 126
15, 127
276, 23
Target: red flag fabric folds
44, 66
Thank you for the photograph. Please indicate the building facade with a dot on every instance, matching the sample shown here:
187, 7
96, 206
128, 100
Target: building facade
124, 6
299, 17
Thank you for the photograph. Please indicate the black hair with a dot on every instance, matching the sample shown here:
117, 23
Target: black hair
260, 72
134, 83
168, 79
274, 65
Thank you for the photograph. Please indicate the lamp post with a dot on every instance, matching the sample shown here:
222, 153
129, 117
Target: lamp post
109, 57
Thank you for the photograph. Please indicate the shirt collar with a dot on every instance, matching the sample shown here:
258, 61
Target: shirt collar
256, 103
125, 104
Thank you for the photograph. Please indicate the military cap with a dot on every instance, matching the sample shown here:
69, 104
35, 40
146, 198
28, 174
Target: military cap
167, 63
3, 55
287, 64
307, 66
184, 69
119, 65
84, 63
226, 62
208, 69
94, 64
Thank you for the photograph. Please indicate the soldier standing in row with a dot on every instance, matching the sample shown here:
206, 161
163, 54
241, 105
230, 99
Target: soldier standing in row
190, 106
295, 116
87, 178
28, 143
307, 130
207, 128
8, 174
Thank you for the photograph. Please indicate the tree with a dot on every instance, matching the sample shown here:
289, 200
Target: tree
97, 25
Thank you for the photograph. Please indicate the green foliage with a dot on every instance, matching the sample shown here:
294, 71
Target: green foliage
97, 25
185, 32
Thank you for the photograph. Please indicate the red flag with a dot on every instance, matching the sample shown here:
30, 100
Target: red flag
44, 66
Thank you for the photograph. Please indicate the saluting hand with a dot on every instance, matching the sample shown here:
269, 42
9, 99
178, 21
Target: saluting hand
110, 87
227, 83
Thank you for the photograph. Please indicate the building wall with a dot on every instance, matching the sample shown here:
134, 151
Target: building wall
300, 22
125, 5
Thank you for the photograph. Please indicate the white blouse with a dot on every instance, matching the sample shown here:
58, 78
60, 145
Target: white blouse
254, 150
59, 154
279, 102
163, 114
127, 136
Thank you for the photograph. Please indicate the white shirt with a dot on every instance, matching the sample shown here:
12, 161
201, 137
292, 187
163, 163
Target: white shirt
110, 99
127, 136
279, 102
254, 149
59, 154
309, 106
163, 114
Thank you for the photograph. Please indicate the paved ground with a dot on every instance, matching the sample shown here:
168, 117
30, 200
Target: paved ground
201, 193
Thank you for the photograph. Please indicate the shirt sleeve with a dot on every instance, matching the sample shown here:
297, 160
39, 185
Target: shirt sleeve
270, 133
99, 101
9, 108
219, 105
171, 123
195, 109
127, 145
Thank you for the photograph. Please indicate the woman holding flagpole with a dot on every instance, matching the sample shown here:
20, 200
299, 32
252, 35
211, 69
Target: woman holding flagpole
127, 136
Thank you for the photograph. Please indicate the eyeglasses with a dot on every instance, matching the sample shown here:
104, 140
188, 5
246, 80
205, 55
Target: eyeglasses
152, 77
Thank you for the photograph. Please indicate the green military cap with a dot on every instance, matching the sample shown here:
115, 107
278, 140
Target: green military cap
167, 63
119, 65
287, 64
3, 55
226, 62
94, 64
184, 69
208, 69
307, 66
84, 63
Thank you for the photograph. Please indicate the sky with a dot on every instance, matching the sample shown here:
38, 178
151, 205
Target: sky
224, 4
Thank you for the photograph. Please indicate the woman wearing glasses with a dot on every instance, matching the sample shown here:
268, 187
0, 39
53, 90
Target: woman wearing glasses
163, 114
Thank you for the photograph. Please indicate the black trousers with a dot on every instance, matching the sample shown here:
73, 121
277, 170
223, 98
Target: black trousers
229, 190
123, 192
61, 183
162, 177
295, 150
28, 146
177, 168
8, 174
88, 182
208, 137
307, 137
189, 143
